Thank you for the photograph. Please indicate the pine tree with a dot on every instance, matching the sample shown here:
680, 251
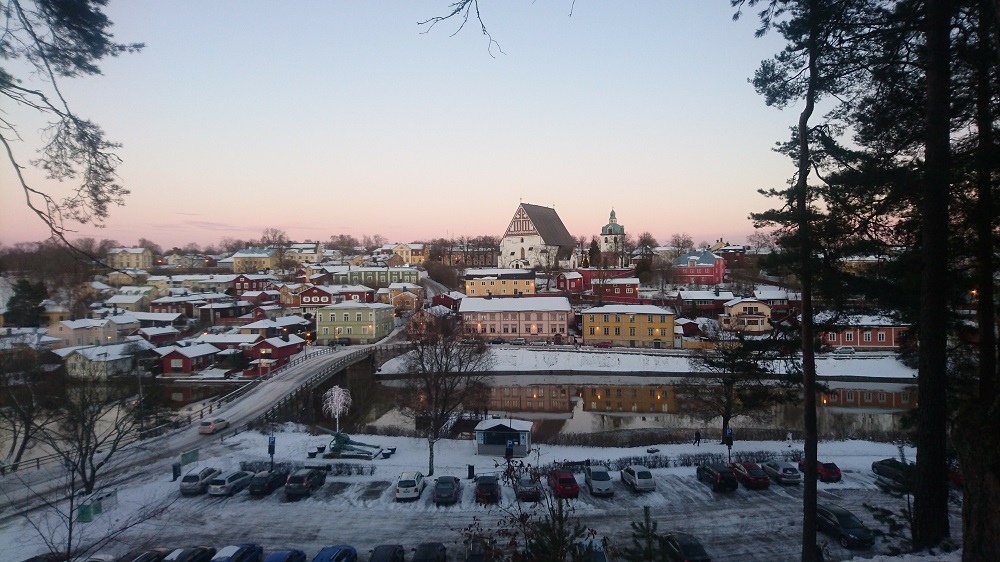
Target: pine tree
645, 545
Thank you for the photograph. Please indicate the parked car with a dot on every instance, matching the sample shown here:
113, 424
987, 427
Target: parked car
430, 552
844, 526
826, 471
447, 489
539, 343
527, 489
240, 553
286, 556
598, 480
682, 547
844, 350
211, 426
782, 472
487, 489
603, 345
497, 341
518, 341
265, 482
751, 475
304, 482
48, 557
336, 553
388, 553
229, 484
146, 555
196, 481
563, 483
719, 476
410, 485
896, 473
639, 478
192, 554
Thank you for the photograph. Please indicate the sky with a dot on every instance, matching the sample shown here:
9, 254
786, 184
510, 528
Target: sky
321, 118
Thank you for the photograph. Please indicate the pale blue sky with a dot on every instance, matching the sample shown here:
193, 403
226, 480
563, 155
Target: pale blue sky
327, 117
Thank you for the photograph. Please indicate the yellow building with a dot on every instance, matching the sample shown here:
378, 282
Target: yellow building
253, 260
130, 258
631, 325
499, 282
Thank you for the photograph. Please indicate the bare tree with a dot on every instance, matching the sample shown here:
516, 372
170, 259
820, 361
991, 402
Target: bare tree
24, 390
446, 373
743, 377
336, 402
55, 41
682, 241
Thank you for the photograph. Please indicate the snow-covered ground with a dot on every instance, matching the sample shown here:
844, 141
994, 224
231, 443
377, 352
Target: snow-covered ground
360, 509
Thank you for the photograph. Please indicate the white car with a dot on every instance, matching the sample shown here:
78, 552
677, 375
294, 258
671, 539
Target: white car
211, 426
409, 486
229, 484
639, 478
598, 480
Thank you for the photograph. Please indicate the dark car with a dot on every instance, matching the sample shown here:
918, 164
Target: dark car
825, 471
146, 555
239, 553
336, 553
263, 483
487, 489
750, 475
304, 482
497, 341
192, 554
527, 489
719, 476
843, 525
447, 489
388, 553
430, 552
286, 556
782, 472
563, 483
603, 345
683, 547
896, 473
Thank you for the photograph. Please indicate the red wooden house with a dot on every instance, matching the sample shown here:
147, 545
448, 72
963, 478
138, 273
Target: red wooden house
272, 353
619, 289
699, 268
177, 361
451, 299
570, 281
862, 332
159, 336
591, 273
709, 304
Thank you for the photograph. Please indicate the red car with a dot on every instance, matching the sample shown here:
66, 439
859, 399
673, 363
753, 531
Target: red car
750, 475
563, 484
602, 345
827, 471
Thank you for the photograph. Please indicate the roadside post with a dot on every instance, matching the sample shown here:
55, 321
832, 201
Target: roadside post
270, 450
729, 442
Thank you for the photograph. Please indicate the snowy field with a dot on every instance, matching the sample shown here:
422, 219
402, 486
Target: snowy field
361, 510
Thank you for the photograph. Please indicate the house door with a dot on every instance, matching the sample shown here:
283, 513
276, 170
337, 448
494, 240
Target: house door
631, 343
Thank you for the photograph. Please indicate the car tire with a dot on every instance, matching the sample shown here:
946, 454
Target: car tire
844, 543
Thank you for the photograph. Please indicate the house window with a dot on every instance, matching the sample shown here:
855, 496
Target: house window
850, 396
590, 317
649, 331
347, 317
905, 397
606, 317
831, 337
631, 332
618, 331
867, 336
606, 331
364, 329
357, 317
350, 330
326, 331
881, 337
849, 336
881, 397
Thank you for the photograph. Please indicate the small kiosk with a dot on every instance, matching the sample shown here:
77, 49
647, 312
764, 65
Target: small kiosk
493, 436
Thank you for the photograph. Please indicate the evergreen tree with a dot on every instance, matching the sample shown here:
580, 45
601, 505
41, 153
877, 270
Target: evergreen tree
645, 545
24, 307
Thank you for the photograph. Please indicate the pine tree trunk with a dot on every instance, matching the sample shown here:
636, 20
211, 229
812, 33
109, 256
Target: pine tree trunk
430, 462
979, 454
930, 521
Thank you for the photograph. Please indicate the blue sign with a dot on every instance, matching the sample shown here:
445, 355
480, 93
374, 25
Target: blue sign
510, 443
729, 432
270, 441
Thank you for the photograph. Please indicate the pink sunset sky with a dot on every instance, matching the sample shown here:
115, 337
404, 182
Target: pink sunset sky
343, 117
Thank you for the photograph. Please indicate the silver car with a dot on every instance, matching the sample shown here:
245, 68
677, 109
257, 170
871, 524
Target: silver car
639, 478
196, 481
782, 472
230, 483
598, 480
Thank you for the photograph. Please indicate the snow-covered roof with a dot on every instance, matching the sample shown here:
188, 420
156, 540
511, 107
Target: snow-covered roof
515, 304
190, 351
857, 320
228, 339
280, 342
154, 331
705, 295
356, 304
627, 309
124, 299
85, 323
497, 273
616, 281
739, 300
516, 425
571, 275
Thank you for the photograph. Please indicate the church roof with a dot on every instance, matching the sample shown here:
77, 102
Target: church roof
549, 226
612, 228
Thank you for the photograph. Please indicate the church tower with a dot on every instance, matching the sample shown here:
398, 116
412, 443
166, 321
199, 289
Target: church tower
613, 242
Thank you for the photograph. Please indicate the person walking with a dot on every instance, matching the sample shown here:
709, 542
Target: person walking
697, 438
788, 438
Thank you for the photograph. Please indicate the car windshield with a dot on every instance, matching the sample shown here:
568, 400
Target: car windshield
218, 482
757, 472
206, 424
445, 485
789, 470
526, 482
849, 521
600, 476
407, 483
296, 479
260, 479
486, 484
567, 481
